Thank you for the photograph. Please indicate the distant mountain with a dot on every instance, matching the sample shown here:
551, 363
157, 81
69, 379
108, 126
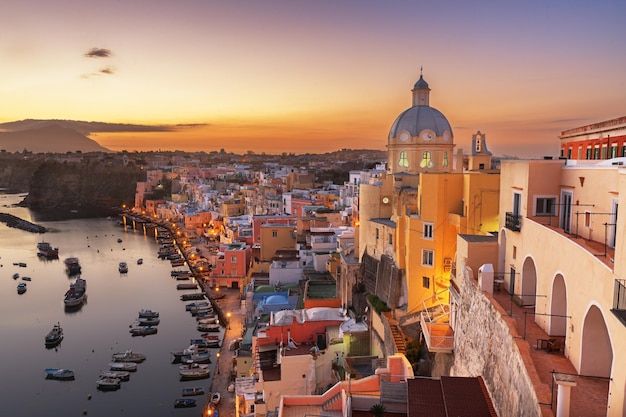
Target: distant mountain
45, 136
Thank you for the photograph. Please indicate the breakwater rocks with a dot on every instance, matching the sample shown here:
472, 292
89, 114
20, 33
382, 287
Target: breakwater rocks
16, 222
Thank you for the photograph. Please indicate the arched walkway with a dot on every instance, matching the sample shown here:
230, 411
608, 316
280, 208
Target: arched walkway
596, 353
528, 291
558, 307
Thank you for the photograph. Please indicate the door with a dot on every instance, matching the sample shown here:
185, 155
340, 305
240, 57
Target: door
566, 211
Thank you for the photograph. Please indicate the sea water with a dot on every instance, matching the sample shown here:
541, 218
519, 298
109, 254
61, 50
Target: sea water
95, 331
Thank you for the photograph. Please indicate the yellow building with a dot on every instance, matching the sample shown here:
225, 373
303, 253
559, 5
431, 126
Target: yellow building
276, 236
410, 217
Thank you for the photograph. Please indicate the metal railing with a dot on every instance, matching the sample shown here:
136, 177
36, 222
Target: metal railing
513, 222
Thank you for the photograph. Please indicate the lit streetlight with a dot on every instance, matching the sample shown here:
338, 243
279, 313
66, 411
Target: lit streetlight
228, 316
217, 366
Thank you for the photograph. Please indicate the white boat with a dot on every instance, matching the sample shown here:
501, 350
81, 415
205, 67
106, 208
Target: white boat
121, 375
148, 321
208, 320
215, 398
194, 371
128, 356
143, 330
123, 267
108, 383
196, 357
59, 373
147, 313
193, 391
123, 366
196, 305
54, 336
191, 349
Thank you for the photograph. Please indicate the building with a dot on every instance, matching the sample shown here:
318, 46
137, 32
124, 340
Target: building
603, 140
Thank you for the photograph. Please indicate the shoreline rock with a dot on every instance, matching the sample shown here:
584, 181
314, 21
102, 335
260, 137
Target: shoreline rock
17, 223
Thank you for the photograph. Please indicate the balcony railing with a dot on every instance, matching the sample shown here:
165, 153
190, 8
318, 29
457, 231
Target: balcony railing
513, 222
619, 300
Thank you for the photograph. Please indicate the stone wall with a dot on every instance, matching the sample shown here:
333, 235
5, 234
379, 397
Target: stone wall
486, 344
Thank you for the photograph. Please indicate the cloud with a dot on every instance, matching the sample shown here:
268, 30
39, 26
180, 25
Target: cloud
107, 70
98, 53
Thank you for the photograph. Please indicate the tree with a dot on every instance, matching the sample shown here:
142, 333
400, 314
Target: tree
378, 410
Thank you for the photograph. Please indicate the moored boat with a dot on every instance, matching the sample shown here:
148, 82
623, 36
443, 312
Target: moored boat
193, 348
184, 403
196, 304
72, 266
76, 295
121, 375
128, 356
21, 288
122, 267
148, 321
46, 250
215, 398
123, 366
54, 336
188, 286
59, 373
196, 357
26, 279
208, 327
16, 275
139, 261
187, 392
108, 383
147, 313
194, 371
143, 330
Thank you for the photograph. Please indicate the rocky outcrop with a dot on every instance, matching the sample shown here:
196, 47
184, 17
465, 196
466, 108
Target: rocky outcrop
84, 189
16, 222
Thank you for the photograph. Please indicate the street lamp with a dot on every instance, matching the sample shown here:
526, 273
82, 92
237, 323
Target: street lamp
217, 366
228, 316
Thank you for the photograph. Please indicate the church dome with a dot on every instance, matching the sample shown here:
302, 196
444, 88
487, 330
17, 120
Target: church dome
419, 118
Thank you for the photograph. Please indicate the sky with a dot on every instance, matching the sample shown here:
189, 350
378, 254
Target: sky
313, 76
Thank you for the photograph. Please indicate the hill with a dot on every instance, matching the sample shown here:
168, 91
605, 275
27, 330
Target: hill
47, 137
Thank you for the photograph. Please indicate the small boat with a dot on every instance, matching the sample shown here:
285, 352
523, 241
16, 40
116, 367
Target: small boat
193, 348
119, 240
208, 319
72, 266
123, 366
46, 250
194, 371
76, 295
122, 267
143, 330
148, 321
26, 279
200, 309
16, 275
188, 392
108, 383
139, 261
188, 286
59, 373
21, 264
196, 357
204, 343
194, 296
121, 375
215, 398
208, 327
211, 342
147, 313
184, 403
128, 356
21, 288
190, 306
54, 336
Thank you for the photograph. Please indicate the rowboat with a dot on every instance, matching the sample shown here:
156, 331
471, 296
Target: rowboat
143, 330
184, 403
108, 383
121, 375
128, 356
215, 398
59, 373
187, 392
123, 366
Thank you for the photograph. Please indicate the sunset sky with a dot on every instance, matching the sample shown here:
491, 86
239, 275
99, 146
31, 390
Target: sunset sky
313, 76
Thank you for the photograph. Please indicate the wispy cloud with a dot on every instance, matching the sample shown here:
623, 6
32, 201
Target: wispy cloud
107, 70
98, 53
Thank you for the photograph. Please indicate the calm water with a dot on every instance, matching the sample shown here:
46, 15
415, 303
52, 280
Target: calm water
97, 330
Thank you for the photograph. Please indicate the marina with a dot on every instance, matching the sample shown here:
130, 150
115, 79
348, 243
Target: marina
97, 330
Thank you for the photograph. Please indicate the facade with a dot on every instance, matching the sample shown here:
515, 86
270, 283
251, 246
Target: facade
603, 140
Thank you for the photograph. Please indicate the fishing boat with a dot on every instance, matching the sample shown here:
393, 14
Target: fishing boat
121, 375
192, 348
148, 321
16, 275
196, 304
208, 327
209, 341
208, 319
59, 373
26, 279
108, 384
123, 366
196, 357
122, 267
139, 261
54, 336
143, 330
147, 313
184, 403
46, 250
188, 286
128, 356
194, 371
188, 392
21, 288
215, 398
72, 266
76, 295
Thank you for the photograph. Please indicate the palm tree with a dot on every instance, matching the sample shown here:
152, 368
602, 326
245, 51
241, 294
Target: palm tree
378, 410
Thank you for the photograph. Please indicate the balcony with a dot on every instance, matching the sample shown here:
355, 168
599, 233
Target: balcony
619, 300
513, 222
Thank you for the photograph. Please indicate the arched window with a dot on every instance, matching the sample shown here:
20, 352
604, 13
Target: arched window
427, 160
403, 162
445, 160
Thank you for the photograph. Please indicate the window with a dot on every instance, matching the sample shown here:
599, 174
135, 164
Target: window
596, 152
233, 272
587, 219
623, 150
377, 233
426, 282
604, 151
545, 206
569, 153
445, 160
613, 151
427, 257
428, 231
233, 259
588, 156
580, 152
403, 162
274, 233
391, 238
427, 160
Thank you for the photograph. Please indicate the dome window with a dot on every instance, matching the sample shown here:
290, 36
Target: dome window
403, 162
427, 160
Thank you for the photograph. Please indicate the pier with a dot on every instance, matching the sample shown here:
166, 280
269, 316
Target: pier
17, 223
